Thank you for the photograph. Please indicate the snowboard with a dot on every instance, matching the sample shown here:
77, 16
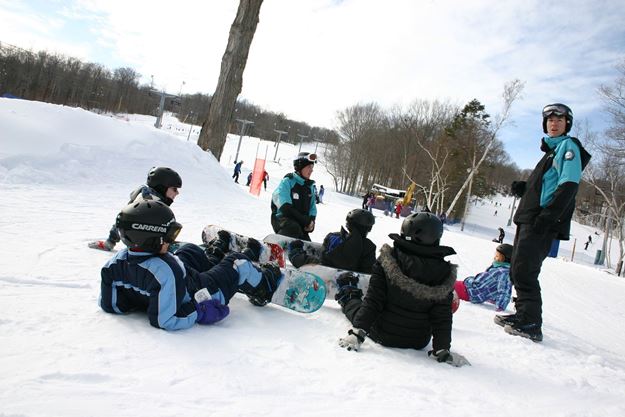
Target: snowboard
269, 252
329, 275
313, 250
300, 291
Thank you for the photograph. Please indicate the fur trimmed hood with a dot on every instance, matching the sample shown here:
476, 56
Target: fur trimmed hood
411, 285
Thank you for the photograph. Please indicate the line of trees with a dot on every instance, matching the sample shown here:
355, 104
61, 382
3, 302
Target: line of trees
59, 79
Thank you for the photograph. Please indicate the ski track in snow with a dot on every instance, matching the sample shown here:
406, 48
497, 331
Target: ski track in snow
62, 356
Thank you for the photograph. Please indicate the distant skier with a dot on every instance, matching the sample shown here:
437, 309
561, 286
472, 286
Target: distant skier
500, 238
544, 214
321, 193
346, 249
408, 301
265, 179
492, 285
146, 277
249, 179
237, 171
293, 205
588, 242
162, 184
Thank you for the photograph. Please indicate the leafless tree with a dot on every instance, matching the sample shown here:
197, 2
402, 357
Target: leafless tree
512, 91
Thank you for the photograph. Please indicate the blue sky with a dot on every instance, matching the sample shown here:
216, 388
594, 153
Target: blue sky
310, 59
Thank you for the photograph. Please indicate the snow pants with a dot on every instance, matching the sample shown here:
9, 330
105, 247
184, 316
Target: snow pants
222, 278
530, 250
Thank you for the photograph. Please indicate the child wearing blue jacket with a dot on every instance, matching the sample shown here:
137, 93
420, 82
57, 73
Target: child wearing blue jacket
493, 285
176, 291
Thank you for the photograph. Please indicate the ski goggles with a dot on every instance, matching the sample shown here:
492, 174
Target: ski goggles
312, 157
172, 232
556, 110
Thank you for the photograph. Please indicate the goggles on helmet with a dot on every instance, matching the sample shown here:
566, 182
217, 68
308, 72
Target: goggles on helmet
172, 232
312, 157
555, 110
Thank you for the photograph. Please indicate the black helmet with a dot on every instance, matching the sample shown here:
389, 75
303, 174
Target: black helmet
558, 109
303, 159
360, 220
423, 228
506, 250
161, 178
146, 225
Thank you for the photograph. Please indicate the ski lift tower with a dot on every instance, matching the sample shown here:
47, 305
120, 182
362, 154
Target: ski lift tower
161, 106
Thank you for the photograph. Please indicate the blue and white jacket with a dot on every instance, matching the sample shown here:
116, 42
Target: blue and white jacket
492, 285
162, 285
156, 284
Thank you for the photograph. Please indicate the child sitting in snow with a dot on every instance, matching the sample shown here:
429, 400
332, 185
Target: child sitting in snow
492, 285
346, 249
162, 185
408, 301
177, 291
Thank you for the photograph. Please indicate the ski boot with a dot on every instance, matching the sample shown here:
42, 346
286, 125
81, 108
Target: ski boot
531, 331
507, 319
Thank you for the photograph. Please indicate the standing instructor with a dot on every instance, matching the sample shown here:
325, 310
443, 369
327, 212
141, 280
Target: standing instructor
544, 214
293, 205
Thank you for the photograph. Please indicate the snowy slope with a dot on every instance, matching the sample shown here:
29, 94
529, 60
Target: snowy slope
65, 173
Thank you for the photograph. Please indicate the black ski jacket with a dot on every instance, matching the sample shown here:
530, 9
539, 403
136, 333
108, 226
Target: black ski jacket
408, 301
350, 251
557, 215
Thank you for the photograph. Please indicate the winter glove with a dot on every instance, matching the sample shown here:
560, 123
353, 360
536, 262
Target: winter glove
453, 359
220, 245
518, 188
355, 337
211, 311
253, 250
297, 255
348, 278
540, 226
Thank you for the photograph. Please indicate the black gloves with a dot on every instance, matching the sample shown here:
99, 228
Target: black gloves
253, 249
220, 246
453, 359
518, 188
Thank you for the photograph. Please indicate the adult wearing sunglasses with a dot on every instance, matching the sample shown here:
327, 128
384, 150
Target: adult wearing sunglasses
293, 204
544, 214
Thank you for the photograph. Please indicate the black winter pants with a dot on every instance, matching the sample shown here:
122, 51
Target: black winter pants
530, 250
288, 227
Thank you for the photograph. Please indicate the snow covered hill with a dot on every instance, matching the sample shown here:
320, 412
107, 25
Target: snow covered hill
64, 175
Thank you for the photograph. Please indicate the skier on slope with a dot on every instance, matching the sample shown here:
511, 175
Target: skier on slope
177, 291
346, 249
408, 301
293, 205
162, 184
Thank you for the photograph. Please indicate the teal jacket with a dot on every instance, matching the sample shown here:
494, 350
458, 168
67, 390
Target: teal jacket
295, 198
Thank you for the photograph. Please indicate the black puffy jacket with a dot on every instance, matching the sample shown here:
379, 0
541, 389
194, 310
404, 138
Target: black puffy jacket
408, 301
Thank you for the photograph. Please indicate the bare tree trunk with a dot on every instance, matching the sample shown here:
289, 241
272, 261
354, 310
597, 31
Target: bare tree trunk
214, 130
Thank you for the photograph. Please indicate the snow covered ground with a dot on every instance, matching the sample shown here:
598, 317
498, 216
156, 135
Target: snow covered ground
65, 173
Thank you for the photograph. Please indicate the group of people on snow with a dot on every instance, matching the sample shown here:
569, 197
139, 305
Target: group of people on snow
409, 299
